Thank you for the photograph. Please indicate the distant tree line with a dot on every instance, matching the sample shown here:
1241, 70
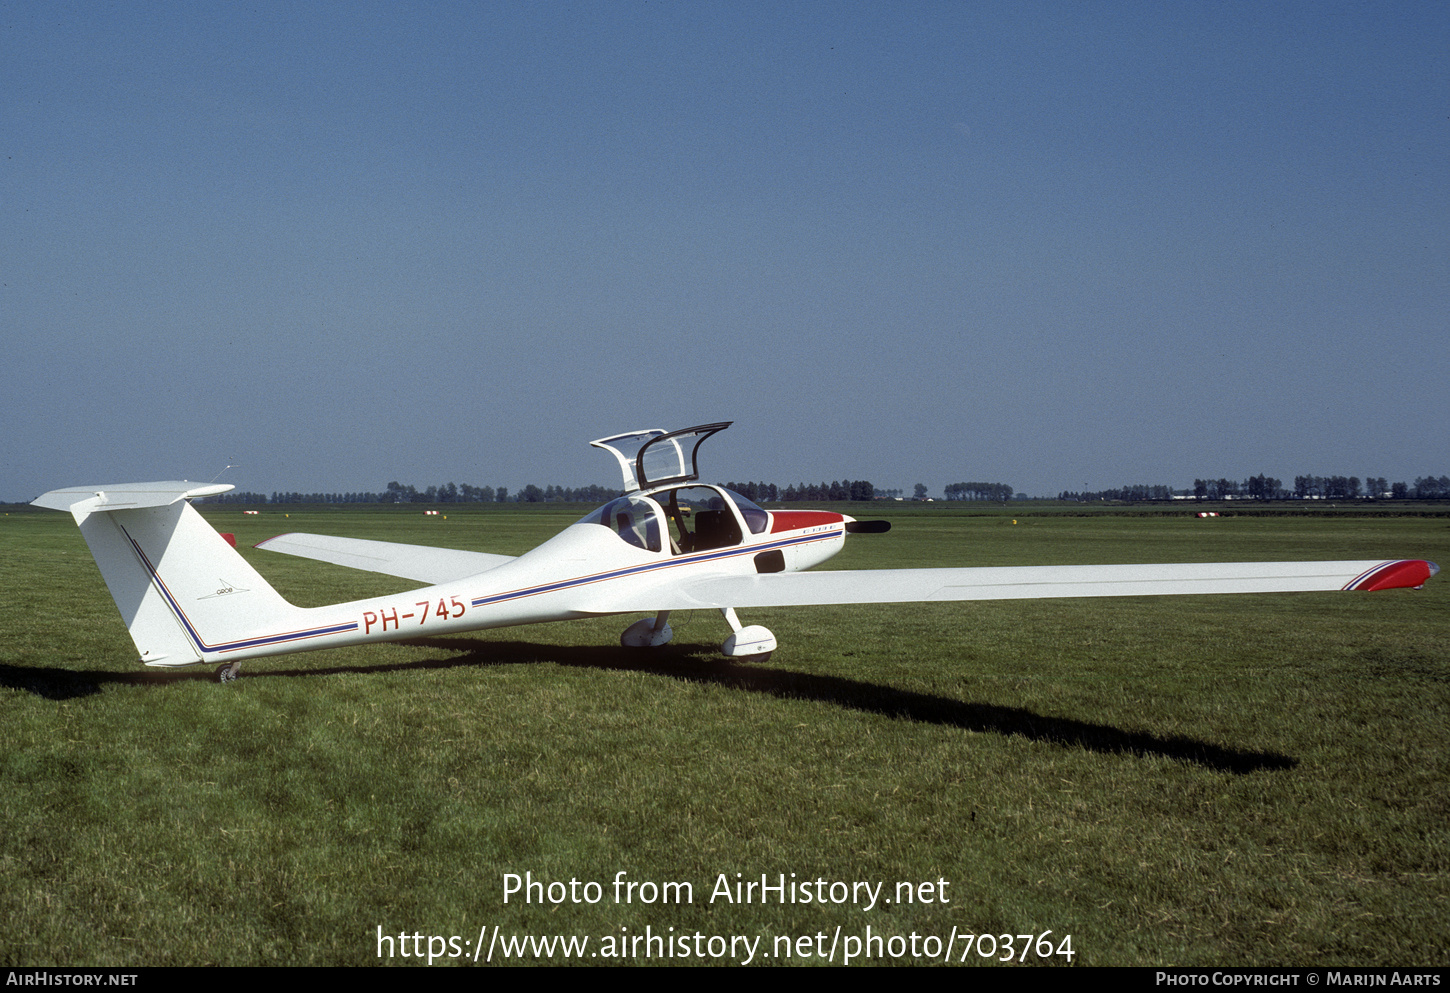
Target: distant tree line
1260, 487
848, 489
1375, 488
1430, 488
1132, 494
757, 492
978, 491
561, 494
446, 493
857, 489
1263, 487
1322, 488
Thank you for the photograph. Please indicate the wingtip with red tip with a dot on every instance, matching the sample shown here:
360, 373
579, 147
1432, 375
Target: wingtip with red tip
1397, 575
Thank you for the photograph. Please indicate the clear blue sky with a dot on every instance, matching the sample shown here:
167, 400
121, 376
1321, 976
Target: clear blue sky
1062, 246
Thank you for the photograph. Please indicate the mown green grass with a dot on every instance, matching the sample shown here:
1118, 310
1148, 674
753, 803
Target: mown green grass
1172, 781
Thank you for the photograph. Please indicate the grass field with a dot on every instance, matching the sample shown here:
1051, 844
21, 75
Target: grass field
1170, 781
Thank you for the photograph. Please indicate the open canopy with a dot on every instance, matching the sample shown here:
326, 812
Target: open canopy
656, 457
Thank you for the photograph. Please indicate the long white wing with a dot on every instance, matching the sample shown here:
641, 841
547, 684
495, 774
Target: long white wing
421, 562
789, 589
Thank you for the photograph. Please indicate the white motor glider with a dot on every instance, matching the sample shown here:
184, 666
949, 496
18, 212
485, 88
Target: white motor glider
669, 543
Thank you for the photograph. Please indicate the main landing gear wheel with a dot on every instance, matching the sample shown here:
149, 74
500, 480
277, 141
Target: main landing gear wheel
229, 672
748, 644
649, 632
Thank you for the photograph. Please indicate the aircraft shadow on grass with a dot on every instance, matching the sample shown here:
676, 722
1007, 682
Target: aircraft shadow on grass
701, 665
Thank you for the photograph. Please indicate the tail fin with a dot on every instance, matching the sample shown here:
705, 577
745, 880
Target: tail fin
183, 591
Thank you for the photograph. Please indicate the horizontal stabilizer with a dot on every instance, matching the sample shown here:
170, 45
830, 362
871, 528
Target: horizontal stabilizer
420, 562
793, 589
83, 500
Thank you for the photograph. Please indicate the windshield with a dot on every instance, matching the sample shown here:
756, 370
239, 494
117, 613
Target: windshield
756, 519
635, 519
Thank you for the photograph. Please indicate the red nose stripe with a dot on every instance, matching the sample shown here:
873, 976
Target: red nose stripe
794, 520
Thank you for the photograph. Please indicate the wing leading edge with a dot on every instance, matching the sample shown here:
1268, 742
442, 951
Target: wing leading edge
420, 562
799, 589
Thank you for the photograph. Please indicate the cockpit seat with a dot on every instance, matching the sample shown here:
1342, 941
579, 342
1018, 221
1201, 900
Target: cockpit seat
641, 534
715, 529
